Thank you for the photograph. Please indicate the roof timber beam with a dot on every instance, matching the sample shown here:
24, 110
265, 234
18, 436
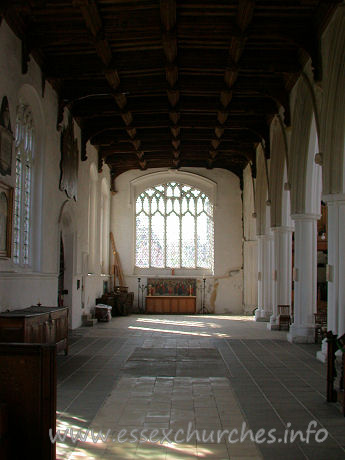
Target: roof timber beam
169, 42
94, 25
152, 126
248, 86
245, 12
165, 150
121, 165
102, 105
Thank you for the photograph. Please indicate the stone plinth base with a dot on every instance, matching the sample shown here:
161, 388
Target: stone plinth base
301, 334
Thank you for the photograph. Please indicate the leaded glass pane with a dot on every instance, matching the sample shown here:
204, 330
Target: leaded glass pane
17, 211
202, 241
188, 241
138, 205
173, 241
146, 205
27, 202
192, 206
184, 206
177, 206
208, 207
24, 143
169, 233
169, 205
161, 206
154, 205
199, 206
177, 192
157, 240
142, 240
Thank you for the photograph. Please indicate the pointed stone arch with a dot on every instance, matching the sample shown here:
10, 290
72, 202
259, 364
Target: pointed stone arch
332, 136
278, 167
261, 192
304, 128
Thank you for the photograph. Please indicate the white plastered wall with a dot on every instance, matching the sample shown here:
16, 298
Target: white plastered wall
21, 287
224, 290
250, 245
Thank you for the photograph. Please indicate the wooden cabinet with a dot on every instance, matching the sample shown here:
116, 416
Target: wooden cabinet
122, 302
171, 304
36, 324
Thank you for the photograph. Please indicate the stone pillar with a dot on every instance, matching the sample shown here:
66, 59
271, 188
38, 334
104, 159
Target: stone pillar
281, 272
336, 268
264, 278
305, 276
268, 280
260, 278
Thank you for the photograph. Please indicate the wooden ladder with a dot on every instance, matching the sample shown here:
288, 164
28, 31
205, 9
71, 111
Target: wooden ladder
117, 270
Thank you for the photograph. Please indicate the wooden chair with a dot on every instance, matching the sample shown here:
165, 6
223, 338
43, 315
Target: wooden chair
284, 318
320, 326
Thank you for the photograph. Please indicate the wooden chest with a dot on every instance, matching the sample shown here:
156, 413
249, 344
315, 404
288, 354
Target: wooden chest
36, 324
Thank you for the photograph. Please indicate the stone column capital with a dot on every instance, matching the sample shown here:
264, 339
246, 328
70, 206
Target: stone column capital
306, 217
334, 198
265, 237
282, 229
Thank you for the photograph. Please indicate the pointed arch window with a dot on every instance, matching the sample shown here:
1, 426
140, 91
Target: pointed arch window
24, 146
174, 228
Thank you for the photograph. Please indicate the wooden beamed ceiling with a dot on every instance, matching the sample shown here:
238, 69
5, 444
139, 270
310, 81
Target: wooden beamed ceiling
172, 83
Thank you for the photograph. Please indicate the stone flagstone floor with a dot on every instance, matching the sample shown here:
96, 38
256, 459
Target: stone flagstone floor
194, 385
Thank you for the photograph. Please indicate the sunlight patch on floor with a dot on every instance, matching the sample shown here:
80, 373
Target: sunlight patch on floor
172, 331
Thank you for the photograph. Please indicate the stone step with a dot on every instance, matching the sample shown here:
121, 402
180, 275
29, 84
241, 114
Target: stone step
91, 322
88, 321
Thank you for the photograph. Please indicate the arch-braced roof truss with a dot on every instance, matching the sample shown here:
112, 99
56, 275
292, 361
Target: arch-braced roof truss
171, 83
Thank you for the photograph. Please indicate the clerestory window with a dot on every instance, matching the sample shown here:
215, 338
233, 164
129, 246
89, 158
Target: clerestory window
174, 228
24, 144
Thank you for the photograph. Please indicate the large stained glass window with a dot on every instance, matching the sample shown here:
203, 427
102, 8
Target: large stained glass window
174, 228
22, 204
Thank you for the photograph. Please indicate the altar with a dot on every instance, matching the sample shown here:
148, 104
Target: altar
171, 295
183, 305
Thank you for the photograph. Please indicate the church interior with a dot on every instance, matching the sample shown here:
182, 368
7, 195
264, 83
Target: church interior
172, 228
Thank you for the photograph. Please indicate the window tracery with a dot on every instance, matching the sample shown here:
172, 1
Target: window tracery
174, 227
24, 145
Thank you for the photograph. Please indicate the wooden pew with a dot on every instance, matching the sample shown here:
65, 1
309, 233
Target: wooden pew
336, 370
28, 389
284, 318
